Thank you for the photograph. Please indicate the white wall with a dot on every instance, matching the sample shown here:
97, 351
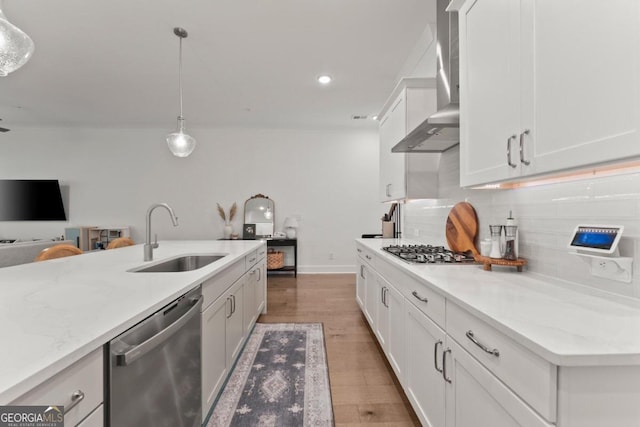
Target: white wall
329, 178
546, 215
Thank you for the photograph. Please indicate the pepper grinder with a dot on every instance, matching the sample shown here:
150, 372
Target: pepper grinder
510, 251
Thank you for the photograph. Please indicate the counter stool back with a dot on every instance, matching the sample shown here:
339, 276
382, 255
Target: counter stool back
120, 242
58, 251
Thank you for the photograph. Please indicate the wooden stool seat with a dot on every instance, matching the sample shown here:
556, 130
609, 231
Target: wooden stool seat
120, 242
58, 251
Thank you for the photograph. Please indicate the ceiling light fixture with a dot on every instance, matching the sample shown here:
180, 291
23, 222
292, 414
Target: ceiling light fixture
16, 47
180, 143
324, 80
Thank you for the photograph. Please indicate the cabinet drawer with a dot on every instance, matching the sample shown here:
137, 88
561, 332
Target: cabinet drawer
95, 419
367, 255
214, 287
527, 374
418, 293
85, 376
250, 260
261, 252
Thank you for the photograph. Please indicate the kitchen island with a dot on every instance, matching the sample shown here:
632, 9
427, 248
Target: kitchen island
54, 313
513, 348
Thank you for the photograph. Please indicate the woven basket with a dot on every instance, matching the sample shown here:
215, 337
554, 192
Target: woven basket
275, 259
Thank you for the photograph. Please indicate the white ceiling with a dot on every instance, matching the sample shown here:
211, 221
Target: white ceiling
249, 63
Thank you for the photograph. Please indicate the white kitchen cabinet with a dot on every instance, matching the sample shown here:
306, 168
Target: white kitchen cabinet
214, 351
424, 384
233, 300
372, 296
235, 326
389, 325
79, 388
476, 397
405, 175
541, 92
254, 295
361, 286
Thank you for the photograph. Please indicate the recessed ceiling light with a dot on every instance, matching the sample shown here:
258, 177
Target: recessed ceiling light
324, 80
374, 117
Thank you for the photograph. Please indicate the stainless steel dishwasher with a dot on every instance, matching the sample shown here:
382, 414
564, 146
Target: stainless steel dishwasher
154, 369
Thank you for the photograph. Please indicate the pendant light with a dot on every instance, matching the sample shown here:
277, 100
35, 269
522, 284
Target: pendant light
180, 143
16, 47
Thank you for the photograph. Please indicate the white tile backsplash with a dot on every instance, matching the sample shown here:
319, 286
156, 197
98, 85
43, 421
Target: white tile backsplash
546, 216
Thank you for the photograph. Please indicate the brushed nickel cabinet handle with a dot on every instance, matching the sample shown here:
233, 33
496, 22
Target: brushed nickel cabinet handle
444, 365
384, 297
509, 162
494, 351
362, 271
522, 159
230, 308
368, 257
388, 191
435, 355
415, 294
76, 397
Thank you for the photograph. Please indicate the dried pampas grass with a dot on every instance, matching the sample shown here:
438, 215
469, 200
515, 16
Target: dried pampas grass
232, 212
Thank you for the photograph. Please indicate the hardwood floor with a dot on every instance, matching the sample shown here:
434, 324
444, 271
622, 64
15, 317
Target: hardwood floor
364, 389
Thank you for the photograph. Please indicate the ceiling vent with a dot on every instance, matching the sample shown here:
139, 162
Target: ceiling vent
358, 117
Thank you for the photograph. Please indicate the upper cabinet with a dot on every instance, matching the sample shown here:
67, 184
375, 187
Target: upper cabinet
405, 175
546, 86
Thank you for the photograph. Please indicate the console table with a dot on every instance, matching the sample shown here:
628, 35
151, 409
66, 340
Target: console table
272, 243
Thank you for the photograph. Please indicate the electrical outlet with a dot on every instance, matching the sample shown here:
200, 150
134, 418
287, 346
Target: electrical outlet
416, 232
331, 256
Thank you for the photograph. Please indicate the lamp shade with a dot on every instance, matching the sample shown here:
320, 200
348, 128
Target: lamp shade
16, 47
290, 222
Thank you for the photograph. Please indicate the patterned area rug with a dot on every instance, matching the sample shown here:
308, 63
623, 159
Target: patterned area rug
281, 379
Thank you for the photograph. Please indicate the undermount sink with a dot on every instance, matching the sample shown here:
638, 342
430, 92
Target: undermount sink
179, 264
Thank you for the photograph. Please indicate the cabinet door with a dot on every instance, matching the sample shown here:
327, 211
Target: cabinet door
396, 339
261, 288
214, 353
424, 384
382, 316
235, 325
490, 90
392, 165
586, 80
360, 283
95, 419
475, 397
371, 296
249, 297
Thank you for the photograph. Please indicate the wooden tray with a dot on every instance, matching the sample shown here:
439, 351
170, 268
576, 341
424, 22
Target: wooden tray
462, 228
488, 262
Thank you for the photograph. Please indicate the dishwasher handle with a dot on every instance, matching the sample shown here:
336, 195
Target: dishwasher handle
140, 350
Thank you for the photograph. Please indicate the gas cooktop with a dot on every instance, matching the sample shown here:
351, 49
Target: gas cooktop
427, 254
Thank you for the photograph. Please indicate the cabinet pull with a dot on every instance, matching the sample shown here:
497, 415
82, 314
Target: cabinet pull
522, 160
233, 301
359, 250
415, 294
509, 162
384, 296
230, 307
368, 257
362, 271
435, 355
76, 397
259, 275
444, 365
486, 349
388, 191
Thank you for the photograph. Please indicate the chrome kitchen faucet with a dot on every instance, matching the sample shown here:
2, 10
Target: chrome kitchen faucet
148, 246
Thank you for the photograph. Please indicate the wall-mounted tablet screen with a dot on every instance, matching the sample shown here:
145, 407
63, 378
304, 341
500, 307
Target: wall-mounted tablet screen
596, 238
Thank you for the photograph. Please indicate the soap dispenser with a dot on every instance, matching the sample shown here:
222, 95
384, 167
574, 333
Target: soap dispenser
512, 238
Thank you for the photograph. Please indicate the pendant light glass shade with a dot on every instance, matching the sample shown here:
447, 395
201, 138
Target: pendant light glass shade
180, 143
16, 47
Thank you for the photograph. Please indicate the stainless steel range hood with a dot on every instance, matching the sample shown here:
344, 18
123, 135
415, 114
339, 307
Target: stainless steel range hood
440, 131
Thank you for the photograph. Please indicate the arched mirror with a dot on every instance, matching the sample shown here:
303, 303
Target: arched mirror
261, 211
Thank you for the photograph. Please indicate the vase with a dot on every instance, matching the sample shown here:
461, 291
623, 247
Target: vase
227, 231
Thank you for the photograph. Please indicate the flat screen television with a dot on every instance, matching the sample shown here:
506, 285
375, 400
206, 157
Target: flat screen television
31, 200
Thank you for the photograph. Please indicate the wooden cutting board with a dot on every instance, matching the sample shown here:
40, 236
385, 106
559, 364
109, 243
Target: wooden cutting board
462, 228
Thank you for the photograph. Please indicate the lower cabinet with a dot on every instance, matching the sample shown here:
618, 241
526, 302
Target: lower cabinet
475, 397
79, 388
424, 384
390, 325
228, 321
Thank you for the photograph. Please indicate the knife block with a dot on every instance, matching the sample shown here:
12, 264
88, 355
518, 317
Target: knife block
388, 229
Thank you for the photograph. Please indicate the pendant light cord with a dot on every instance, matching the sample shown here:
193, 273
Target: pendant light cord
180, 77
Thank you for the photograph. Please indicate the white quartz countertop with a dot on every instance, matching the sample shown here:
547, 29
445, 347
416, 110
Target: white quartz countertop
565, 325
55, 312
